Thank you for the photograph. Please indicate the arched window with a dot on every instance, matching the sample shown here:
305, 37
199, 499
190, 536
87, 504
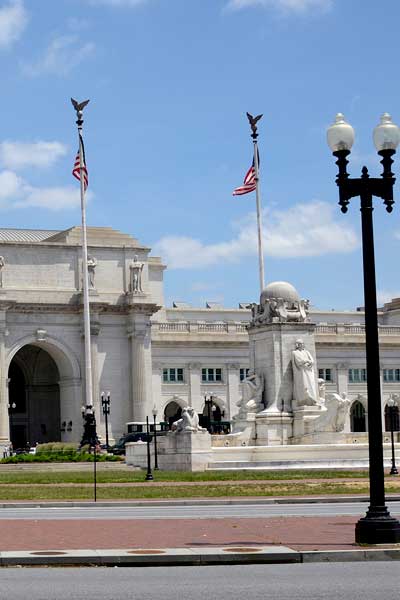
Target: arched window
172, 412
357, 417
396, 418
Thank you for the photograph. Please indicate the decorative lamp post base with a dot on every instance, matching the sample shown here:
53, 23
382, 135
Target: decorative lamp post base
378, 529
393, 471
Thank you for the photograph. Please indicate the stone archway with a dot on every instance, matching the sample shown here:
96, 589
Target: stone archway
358, 421
172, 412
34, 397
44, 393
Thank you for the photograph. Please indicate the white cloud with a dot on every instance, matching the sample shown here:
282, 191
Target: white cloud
294, 6
383, 296
17, 155
15, 192
13, 20
303, 230
62, 55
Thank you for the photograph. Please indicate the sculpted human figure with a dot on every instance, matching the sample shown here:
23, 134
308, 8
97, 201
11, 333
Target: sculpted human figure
189, 421
91, 265
304, 388
2, 263
136, 268
252, 389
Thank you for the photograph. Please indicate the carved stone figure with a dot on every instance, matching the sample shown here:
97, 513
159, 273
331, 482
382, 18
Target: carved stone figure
321, 390
279, 303
334, 417
189, 421
91, 265
304, 392
251, 400
2, 264
136, 269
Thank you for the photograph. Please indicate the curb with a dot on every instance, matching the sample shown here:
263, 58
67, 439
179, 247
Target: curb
192, 557
198, 502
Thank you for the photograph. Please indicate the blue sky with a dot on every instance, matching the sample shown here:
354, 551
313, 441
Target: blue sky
167, 139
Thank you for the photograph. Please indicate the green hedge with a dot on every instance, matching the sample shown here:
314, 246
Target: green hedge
69, 455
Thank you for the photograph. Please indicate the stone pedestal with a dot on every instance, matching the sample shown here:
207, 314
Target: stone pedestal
303, 419
181, 451
273, 429
273, 345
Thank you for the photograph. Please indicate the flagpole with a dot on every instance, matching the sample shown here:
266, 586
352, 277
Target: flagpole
86, 308
254, 135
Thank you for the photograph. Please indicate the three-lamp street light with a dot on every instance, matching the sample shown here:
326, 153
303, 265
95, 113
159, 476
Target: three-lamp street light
393, 410
155, 413
105, 404
378, 526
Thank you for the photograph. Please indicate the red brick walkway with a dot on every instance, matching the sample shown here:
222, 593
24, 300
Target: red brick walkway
299, 533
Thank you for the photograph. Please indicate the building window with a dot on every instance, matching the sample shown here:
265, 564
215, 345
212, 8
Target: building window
210, 375
244, 373
391, 375
173, 375
325, 374
357, 375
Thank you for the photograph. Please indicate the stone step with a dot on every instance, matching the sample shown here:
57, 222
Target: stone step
290, 464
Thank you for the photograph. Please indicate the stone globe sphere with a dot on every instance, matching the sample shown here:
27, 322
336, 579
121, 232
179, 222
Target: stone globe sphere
280, 289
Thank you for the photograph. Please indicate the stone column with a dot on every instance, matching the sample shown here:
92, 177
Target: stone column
194, 393
70, 409
141, 370
4, 419
233, 391
157, 389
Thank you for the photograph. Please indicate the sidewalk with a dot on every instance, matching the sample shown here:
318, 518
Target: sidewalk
184, 541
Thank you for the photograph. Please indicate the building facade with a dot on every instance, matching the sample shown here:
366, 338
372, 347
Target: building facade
149, 357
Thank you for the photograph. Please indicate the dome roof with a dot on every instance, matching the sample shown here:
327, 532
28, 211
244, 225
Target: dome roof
280, 289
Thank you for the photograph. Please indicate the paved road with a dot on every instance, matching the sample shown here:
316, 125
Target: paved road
335, 581
192, 512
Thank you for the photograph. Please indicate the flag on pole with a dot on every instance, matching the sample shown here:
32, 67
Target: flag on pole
249, 182
76, 171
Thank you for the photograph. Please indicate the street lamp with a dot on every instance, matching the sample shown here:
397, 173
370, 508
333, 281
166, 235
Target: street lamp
105, 403
149, 475
208, 401
392, 408
155, 413
377, 527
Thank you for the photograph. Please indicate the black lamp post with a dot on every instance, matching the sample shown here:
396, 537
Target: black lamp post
105, 403
90, 438
378, 526
392, 408
11, 410
149, 475
155, 412
208, 401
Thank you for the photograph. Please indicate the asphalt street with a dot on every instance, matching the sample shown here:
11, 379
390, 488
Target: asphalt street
203, 511
334, 581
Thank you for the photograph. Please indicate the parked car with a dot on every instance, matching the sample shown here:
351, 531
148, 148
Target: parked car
119, 447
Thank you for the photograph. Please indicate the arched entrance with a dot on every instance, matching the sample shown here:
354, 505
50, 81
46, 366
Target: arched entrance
33, 397
172, 412
357, 417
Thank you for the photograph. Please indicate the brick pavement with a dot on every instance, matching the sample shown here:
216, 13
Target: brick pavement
298, 533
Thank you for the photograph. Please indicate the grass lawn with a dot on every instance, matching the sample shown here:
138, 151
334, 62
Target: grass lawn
110, 476
21, 485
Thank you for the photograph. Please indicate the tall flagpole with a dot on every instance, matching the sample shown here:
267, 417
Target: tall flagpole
253, 124
86, 309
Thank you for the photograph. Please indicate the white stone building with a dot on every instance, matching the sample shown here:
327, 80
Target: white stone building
145, 354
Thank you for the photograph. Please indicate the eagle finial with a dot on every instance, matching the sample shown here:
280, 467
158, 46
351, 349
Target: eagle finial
253, 122
79, 106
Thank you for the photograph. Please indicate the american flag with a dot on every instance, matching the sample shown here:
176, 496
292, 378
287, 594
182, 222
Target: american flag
249, 182
76, 171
